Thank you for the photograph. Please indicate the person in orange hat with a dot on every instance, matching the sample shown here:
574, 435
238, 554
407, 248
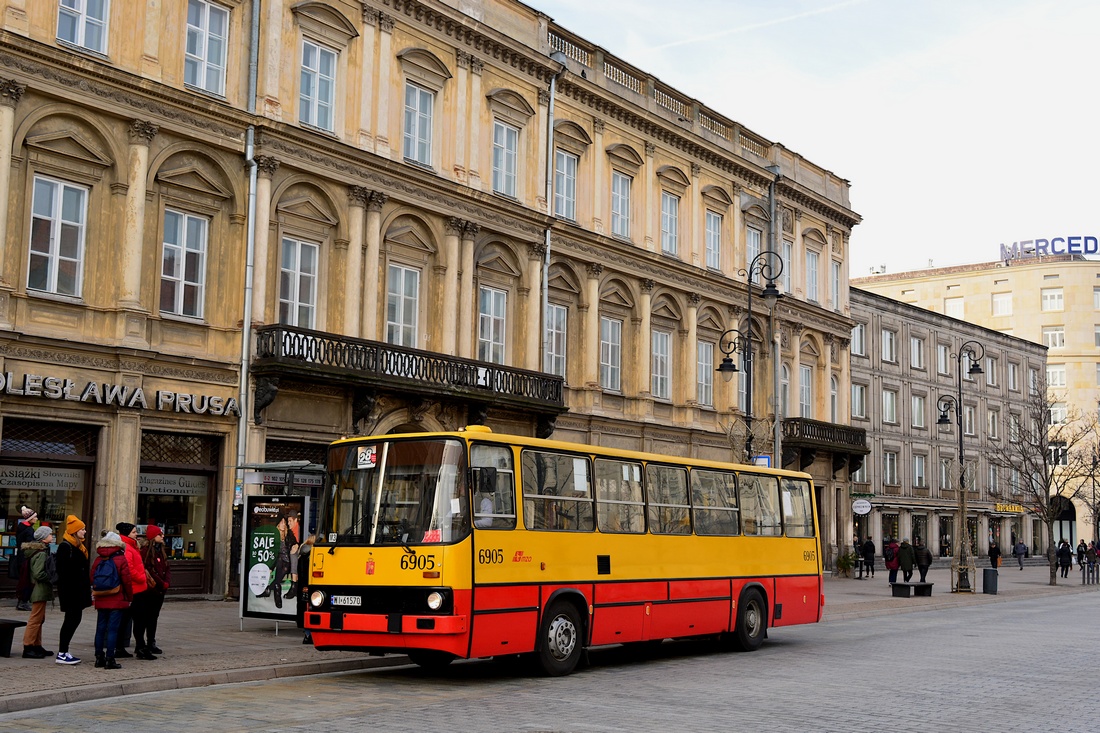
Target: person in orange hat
73, 589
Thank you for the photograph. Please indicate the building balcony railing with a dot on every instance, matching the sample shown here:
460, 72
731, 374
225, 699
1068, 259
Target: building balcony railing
285, 351
804, 438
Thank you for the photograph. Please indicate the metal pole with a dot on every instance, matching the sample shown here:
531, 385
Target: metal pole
748, 373
964, 531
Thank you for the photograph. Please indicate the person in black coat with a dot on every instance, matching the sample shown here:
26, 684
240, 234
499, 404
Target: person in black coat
24, 532
73, 589
994, 554
304, 551
869, 557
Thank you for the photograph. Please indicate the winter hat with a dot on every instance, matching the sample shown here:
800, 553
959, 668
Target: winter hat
112, 536
28, 513
124, 528
42, 532
73, 525
152, 532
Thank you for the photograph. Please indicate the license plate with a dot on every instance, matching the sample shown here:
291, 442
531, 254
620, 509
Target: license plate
347, 600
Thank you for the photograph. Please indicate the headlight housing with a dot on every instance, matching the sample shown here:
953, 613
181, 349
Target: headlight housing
317, 598
435, 600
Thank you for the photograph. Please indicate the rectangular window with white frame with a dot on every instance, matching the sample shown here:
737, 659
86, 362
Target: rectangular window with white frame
994, 418
994, 484
834, 285
505, 157
859, 400
916, 352
670, 223
298, 283
954, 307
1014, 376
859, 476
661, 345
492, 318
84, 23
970, 419
205, 51
704, 385
565, 185
889, 468
183, 264
1057, 413
785, 276
1096, 299
919, 409
805, 391
402, 305
1002, 304
889, 345
1032, 381
920, 473
1056, 375
317, 95
611, 349
557, 319
417, 135
713, 240
991, 371
752, 244
620, 204
1054, 337
1050, 299
812, 275
889, 406
59, 213
943, 358
859, 340
945, 474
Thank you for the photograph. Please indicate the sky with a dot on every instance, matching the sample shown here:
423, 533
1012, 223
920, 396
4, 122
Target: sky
961, 124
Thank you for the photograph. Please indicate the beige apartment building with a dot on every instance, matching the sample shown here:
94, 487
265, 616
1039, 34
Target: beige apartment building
904, 362
234, 232
1053, 300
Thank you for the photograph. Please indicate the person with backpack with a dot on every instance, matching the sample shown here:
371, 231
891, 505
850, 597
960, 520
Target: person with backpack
24, 532
35, 556
73, 590
890, 558
112, 591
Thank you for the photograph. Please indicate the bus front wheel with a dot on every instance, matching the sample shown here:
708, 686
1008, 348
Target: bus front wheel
752, 622
560, 635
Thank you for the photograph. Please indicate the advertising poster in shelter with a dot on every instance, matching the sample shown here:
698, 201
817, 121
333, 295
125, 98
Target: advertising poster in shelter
273, 527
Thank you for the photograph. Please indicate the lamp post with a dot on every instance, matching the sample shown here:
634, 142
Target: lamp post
769, 265
974, 352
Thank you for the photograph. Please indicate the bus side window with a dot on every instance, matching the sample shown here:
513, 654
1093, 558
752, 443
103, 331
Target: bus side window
619, 502
667, 496
494, 502
798, 513
759, 497
557, 492
714, 494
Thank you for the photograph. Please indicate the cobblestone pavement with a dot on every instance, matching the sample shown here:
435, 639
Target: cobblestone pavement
1006, 662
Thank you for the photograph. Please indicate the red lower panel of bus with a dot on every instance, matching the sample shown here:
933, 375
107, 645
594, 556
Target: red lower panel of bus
505, 619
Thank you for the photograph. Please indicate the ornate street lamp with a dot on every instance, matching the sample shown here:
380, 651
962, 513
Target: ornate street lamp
974, 352
769, 265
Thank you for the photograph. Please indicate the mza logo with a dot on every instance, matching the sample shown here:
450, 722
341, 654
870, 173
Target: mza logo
370, 567
520, 557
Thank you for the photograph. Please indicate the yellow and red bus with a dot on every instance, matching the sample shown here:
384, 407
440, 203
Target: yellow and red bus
474, 544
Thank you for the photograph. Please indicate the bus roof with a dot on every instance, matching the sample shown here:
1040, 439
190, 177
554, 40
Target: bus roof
484, 434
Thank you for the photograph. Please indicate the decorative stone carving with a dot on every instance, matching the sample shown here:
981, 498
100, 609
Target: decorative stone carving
357, 195
694, 299
470, 230
648, 285
267, 389
454, 226
385, 22
142, 132
376, 201
595, 269
597, 125
544, 96
536, 251
545, 427
650, 149
11, 92
463, 59
266, 165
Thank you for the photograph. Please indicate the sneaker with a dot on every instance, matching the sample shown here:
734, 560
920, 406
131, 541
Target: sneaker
30, 652
66, 658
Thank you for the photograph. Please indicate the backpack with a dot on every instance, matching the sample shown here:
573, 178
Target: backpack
888, 553
51, 567
106, 580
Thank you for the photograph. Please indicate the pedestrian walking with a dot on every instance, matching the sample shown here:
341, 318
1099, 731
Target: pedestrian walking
293, 535
994, 555
1065, 557
145, 610
128, 533
890, 559
35, 554
924, 559
869, 557
112, 591
907, 559
857, 550
73, 590
1090, 559
1020, 551
1081, 549
24, 532
303, 589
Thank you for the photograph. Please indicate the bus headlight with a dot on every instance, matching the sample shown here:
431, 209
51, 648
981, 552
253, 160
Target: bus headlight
435, 600
317, 598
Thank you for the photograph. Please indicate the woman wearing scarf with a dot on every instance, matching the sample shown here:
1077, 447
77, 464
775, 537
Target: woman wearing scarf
73, 589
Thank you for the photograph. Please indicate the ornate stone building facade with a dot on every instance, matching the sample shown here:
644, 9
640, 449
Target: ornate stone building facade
234, 232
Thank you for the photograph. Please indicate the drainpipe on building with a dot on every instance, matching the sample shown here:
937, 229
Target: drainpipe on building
560, 58
773, 245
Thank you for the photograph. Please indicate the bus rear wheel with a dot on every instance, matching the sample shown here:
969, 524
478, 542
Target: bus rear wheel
561, 646
430, 659
752, 622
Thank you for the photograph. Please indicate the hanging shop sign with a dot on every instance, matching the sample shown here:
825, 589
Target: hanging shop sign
41, 478
861, 506
173, 484
106, 393
1010, 508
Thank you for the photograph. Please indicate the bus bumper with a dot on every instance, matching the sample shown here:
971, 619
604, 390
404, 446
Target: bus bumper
385, 623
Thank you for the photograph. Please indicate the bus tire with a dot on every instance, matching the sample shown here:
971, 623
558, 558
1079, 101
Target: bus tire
430, 659
560, 640
752, 621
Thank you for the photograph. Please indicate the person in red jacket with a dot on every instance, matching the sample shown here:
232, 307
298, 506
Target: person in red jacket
129, 534
891, 559
146, 606
110, 604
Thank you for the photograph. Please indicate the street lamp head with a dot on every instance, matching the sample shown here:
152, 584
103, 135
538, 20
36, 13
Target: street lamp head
974, 369
944, 420
771, 294
727, 369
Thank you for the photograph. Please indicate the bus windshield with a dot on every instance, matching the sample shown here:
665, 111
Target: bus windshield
395, 492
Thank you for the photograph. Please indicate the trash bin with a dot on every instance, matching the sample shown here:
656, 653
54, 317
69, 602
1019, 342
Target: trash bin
989, 581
